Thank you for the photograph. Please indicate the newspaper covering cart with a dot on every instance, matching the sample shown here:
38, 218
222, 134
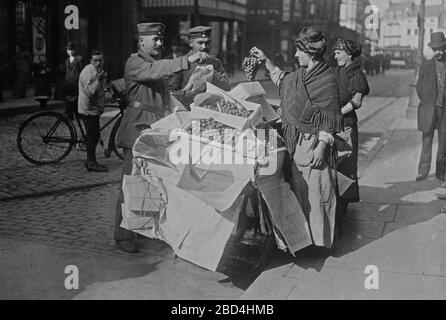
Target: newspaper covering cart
187, 187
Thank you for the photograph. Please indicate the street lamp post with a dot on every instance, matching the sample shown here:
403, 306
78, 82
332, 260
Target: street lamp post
414, 100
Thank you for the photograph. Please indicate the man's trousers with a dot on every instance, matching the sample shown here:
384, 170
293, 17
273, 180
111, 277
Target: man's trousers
426, 152
122, 234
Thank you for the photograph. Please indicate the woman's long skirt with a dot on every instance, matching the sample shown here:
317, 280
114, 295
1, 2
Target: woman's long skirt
349, 166
315, 190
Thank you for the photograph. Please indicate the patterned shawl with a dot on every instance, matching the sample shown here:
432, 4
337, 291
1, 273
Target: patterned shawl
310, 103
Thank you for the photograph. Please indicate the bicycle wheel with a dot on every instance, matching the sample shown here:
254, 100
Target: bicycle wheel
112, 141
46, 138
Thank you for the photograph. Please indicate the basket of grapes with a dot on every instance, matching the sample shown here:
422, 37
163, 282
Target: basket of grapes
210, 132
240, 113
222, 109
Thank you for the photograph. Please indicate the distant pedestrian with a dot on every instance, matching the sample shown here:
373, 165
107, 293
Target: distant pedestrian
42, 82
23, 63
91, 105
177, 48
377, 64
353, 87
431, 111
73, 68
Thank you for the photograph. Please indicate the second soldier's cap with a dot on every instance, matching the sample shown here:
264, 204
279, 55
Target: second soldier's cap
151, 29
200, 32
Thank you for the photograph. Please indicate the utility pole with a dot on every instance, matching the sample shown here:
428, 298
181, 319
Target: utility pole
414, 100
421, 34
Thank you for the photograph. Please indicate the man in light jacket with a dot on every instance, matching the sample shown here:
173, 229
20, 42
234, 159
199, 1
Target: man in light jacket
91, 106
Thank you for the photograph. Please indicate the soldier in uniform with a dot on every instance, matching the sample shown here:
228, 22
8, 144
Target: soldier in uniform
199, 41
148, 95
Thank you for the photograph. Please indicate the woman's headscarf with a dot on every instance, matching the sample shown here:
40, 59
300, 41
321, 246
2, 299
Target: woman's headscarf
312, 41
351, 47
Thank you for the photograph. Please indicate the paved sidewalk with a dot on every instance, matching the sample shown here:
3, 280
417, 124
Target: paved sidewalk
397, 227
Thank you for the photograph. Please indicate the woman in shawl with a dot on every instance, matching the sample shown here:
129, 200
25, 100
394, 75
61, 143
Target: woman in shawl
353, 87
311, 115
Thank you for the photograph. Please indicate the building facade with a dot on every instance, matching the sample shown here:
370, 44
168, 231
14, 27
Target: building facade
353, 16
273, 24
40, 25
400, 29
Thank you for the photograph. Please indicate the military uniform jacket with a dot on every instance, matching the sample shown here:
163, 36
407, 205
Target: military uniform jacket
180, 79
146, 82
427, 89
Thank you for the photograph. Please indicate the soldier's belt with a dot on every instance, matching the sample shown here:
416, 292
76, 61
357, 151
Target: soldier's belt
139, 105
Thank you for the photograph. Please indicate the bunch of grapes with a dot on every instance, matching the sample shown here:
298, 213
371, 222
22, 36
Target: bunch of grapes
251, 66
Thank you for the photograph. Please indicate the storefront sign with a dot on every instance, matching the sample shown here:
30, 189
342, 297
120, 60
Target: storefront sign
39, 38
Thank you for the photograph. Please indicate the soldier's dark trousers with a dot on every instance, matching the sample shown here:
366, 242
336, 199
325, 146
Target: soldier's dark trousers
93, 134
120, 233
426, 152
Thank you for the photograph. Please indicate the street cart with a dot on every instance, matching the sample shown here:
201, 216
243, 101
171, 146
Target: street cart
191, 189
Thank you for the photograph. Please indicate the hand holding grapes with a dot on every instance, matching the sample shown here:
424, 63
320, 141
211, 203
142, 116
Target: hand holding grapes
259, 54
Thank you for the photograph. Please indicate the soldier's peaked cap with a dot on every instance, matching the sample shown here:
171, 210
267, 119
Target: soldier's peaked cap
200, 32
151, 29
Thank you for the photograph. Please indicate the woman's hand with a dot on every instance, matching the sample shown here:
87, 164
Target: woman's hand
319, 155
256, 52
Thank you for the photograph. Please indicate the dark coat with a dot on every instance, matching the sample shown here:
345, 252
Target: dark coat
73, 71
427, 89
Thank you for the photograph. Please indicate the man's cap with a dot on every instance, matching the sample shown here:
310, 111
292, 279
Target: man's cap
151, 29
200, 32
438, 40
71, 45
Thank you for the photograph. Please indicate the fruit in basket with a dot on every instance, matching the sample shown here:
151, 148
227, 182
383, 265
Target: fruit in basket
213, 130
228, 107
251, 66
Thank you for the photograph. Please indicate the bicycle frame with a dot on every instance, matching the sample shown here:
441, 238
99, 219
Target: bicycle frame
83, 132
120, 114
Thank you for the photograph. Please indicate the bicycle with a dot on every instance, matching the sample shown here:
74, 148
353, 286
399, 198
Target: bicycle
48, 137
